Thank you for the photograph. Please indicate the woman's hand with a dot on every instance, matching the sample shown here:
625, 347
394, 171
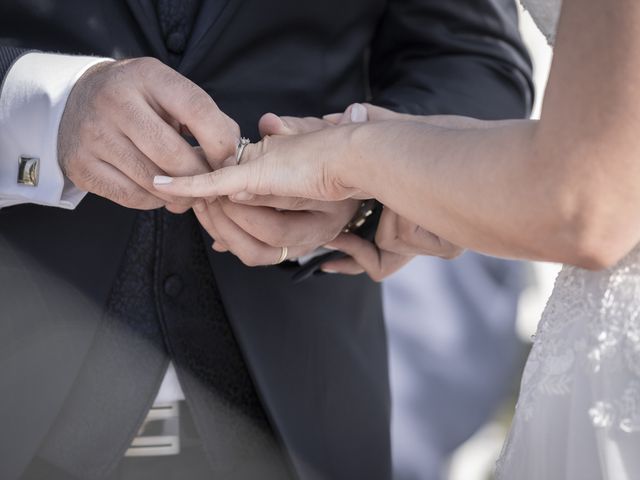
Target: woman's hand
397, 241
306, 166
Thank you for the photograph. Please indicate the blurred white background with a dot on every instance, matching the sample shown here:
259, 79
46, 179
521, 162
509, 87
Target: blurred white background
476, 458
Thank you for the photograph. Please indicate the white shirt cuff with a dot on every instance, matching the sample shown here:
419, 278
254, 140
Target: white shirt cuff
32, 101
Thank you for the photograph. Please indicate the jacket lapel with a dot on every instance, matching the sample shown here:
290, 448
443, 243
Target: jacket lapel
146, 16
214, 15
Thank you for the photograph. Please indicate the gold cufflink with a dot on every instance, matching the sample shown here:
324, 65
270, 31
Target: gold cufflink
28, 171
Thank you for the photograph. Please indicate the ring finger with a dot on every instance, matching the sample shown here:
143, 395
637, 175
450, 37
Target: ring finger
251, 251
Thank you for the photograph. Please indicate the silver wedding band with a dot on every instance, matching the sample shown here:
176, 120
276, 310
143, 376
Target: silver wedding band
283, 255
242, 144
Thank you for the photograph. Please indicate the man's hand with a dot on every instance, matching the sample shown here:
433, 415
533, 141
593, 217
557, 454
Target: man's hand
122, 125
256, 234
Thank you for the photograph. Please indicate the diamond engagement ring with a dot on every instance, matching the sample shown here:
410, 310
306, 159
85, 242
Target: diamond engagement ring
240, 149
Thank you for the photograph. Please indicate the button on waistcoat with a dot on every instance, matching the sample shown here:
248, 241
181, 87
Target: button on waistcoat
176, 18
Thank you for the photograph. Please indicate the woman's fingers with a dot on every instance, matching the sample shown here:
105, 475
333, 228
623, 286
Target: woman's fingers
345, 266
226, 181
399, 235
378, 264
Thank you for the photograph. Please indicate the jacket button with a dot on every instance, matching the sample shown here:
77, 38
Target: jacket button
173, 285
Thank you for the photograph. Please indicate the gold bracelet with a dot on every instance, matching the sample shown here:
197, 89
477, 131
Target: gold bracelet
360, 218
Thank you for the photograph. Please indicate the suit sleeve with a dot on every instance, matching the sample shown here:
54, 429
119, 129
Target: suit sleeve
34, 92
462, 57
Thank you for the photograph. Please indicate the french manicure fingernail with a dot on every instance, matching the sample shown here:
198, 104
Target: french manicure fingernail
162, 180
359, 113
328, 270
328, 246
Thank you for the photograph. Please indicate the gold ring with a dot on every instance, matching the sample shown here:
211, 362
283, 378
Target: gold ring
283, 255
240, 149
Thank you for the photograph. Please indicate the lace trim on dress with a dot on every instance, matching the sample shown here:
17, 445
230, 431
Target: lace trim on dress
590, 330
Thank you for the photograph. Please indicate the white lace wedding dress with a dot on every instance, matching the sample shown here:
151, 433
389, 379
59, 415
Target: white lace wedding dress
578, 415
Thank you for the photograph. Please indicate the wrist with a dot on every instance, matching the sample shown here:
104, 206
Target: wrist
351, 164
78, 98
34, 95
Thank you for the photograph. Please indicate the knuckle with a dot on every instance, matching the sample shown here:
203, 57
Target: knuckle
199, 104
181, 202
211, 179
176, 208
151, 203
137, 198
132, 113
95, 134
136, 165
82, 175
167, 152
119, 194
146, 66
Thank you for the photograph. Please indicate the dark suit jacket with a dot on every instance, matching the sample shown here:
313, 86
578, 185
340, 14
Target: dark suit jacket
317, 351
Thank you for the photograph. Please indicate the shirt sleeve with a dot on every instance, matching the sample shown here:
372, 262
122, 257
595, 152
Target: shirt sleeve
32, 100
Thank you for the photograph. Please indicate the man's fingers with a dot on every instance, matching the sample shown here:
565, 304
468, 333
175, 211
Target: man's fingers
126, 157
281, 203
201, 210
195, 109
281, 229
248, 249
161, 143
177, 208
105, 180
